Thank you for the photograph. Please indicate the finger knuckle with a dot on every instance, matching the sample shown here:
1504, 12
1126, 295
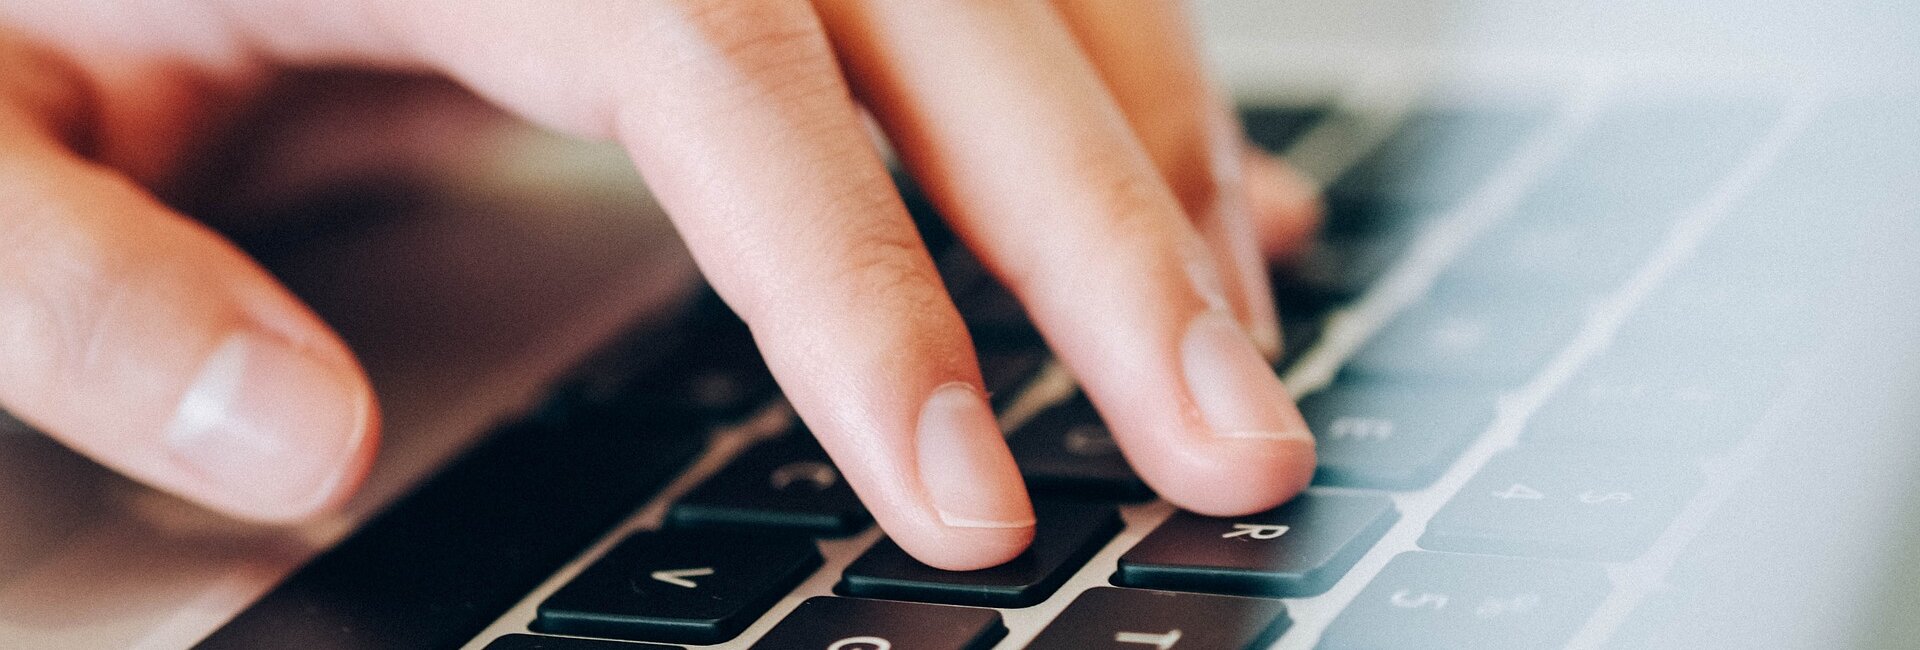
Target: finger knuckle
1137, 210
759, 41
60, 300
886, 265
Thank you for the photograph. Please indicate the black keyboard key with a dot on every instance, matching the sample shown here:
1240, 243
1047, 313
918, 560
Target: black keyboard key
1066, 450
786, 483
682, 587
1479, 341
1303, 317
1066, 536
1438, 157
1362, 218
1563, 504
993, 314
1447, 601
1007, 369
1298, 549
442, 563
533, 642
852, 624
1274, 128
712, 373
1392, 436
1105, 617
1337, 270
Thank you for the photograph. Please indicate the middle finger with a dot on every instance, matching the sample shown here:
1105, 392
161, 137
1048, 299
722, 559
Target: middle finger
1005, 123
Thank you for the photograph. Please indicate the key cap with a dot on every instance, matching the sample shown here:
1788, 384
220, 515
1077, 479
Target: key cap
1298, 549
1105, 617
1066, 450
853, 624
1442, 600
992, 313
533, 642
1339, 269
1274, 128
710, 372
682, 587
1479, 341
786, 483
1438, 157
1360, 218
1387, 436
1653, 407
1302, 321
440, 564
1007, 369
1563, 504
1068, 534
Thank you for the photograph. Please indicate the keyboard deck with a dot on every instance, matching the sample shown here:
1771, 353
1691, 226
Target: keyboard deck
1534, 344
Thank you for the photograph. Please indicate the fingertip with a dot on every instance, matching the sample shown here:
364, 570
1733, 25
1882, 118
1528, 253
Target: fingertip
271, 433
969, 549
982, 515
1235, 478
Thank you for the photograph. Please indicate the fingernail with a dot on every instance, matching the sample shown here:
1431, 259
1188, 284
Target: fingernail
1235, 390
965, 465
273, 427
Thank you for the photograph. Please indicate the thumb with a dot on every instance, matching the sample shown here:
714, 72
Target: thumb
145, 341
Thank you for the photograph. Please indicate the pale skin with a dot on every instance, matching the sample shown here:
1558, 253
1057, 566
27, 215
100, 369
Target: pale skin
1078, 147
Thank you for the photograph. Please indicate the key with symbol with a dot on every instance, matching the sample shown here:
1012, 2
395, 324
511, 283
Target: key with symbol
786, 484
1575, 504
1443, 600
1137, 619
854, 624
1067, 534
1298, 549
1391, 436
681, 586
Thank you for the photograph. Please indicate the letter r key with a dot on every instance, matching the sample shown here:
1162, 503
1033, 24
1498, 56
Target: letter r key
1256, 531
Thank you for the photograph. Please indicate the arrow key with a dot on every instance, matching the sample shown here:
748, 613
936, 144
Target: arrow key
1135, 619
681, 587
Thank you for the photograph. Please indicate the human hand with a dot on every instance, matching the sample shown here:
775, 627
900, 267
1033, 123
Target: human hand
1077, 147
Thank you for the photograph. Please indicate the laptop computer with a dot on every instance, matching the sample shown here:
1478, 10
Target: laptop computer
1607, 343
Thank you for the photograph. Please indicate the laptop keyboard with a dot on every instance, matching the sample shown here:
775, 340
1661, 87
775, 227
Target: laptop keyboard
1499, 425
